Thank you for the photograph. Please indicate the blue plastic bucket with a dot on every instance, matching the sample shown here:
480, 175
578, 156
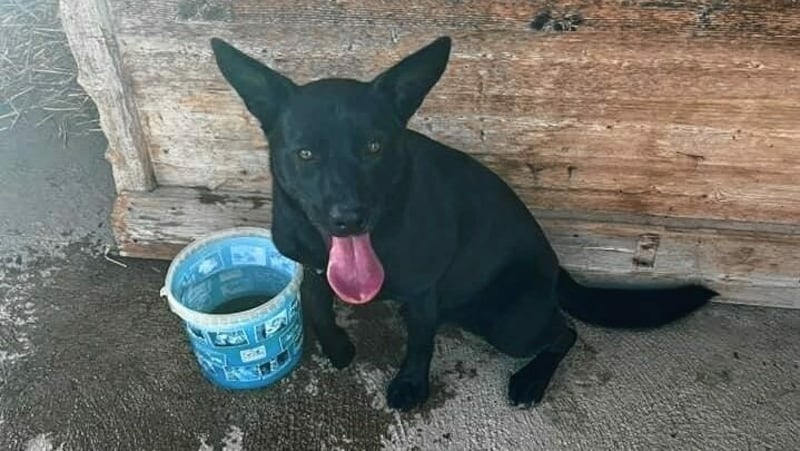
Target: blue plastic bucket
239, 299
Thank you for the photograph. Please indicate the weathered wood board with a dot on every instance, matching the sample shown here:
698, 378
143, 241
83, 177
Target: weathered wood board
102, 75
671, 117
625, 112
745, 266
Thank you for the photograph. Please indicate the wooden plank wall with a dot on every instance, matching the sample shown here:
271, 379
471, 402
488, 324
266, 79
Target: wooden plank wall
655, 140
683, 109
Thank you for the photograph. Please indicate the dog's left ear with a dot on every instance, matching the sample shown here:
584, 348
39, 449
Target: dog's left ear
408, 82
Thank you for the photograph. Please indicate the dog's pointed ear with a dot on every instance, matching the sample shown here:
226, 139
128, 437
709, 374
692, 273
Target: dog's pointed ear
264, 91
408, 82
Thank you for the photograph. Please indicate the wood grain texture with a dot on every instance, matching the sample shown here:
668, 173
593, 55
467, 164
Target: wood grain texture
656, 140
101, 72
745, 266
680, 109
724, 18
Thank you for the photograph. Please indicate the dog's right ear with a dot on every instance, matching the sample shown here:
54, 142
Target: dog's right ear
408, 82
264, 91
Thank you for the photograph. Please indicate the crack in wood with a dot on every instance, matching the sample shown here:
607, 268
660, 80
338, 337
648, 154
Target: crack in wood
208, 197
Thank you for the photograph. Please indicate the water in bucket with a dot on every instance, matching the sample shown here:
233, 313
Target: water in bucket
240, 302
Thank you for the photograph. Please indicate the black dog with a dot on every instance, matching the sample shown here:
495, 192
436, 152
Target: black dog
373, 209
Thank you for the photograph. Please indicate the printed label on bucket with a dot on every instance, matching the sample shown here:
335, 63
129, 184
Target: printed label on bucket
248, 255
253, 352
251, 355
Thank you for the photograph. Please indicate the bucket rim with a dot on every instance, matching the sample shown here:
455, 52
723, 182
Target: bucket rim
225, 319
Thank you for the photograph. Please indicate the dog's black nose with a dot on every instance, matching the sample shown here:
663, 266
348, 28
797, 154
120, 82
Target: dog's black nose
348, 219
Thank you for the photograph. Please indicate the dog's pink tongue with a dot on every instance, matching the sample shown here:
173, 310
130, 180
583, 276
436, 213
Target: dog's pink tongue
354, 271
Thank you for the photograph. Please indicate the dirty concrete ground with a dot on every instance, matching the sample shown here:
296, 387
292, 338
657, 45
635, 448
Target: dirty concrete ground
92, 359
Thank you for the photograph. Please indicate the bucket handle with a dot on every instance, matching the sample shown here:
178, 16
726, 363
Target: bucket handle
163, 293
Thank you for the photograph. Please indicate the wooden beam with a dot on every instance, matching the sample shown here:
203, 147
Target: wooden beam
101, 72
676, 109
747, 263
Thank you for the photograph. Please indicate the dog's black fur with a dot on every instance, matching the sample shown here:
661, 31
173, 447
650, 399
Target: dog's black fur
456, 243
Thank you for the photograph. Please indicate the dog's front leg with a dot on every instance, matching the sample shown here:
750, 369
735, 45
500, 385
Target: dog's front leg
317, 298
409, 387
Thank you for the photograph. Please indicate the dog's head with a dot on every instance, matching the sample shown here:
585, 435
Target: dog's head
336, 145
337, 149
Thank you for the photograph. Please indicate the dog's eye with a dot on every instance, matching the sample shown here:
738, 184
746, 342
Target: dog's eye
374, 147
305, 154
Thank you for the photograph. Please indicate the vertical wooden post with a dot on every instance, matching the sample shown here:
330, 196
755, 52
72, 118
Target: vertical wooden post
89, 29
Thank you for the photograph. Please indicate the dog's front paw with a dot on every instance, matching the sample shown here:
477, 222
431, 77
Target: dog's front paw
340, 350
405, 393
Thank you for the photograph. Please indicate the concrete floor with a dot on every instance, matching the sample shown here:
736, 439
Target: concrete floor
92, 359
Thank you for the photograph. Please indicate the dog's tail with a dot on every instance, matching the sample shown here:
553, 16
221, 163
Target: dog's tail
629, 308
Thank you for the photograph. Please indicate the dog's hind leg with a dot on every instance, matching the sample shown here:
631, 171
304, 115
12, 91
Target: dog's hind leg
527, 386
518, 314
